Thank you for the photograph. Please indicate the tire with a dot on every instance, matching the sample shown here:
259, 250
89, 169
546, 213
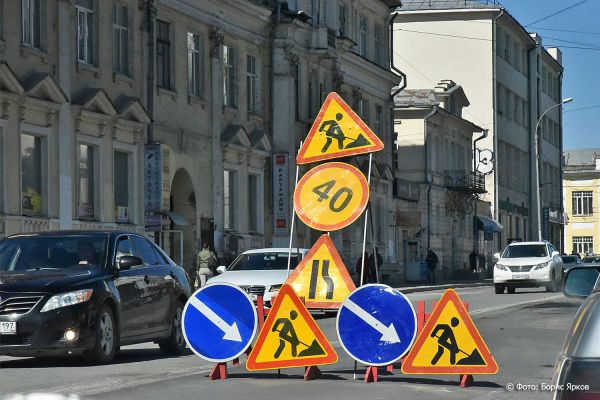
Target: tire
175, 343
499, 289
106, 338
510, 290
551, 287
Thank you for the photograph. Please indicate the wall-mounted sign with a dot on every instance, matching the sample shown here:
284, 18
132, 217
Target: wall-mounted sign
153, 179
484, 161
281, 195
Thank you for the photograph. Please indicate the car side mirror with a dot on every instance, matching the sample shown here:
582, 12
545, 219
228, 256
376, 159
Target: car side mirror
580, 281
496, 256
555, 253
126, 262
221, 269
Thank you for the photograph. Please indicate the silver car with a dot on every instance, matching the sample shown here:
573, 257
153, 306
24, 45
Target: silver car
578, 365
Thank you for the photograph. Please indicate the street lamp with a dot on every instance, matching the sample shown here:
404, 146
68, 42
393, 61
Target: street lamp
537, 164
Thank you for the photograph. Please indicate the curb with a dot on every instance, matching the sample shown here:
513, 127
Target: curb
416, 289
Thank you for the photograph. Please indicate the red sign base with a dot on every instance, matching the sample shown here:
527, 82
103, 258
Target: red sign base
466, 381
372, 374
312, 372
218, 372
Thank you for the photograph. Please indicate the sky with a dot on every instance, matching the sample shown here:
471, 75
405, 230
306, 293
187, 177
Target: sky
574, 27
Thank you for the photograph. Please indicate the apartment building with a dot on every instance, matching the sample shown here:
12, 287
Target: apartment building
581, 188
511, 79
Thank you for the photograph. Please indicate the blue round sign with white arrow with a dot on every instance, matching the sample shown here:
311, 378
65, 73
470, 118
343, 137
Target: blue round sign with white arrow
376, 325
219, 322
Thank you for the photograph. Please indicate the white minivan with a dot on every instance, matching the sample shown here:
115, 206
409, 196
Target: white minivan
528, 264
260, 271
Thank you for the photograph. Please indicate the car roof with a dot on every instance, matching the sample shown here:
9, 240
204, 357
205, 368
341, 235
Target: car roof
72, 233
276, 250
526, 243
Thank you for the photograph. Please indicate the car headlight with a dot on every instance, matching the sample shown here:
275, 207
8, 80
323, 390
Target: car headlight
67, 299
541, 266
275, 288
501, 267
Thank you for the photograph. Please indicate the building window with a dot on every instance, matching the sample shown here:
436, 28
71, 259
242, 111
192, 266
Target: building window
251, 85
377, 124
500, 96
85, 31
342, 17
31, 175
229, 76
253, 203
362, 36
229, 199
378, 34
583, 244
31, 23
507, 42
121, 171
363, 110
120, 39
85, 203
163, 54
195, 66
582, 203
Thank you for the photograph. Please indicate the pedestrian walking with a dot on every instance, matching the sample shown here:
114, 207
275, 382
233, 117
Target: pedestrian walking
432, 261
206, 262
473, 261
365, 269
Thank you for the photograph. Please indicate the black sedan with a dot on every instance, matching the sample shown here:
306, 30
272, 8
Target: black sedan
87, 293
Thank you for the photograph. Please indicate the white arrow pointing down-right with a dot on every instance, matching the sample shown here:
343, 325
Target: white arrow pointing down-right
231, 331
388, 333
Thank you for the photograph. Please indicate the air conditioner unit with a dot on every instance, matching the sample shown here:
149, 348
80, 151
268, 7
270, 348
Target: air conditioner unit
122, 214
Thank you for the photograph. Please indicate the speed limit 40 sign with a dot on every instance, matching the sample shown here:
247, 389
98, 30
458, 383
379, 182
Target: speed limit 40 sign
331, 196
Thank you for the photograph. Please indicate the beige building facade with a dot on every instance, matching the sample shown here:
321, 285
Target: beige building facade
511, 80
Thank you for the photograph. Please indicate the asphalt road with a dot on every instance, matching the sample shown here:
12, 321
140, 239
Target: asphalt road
524, 332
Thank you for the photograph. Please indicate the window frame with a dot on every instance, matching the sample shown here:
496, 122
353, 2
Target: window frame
132, 181
252, 84
89, 56
164, 52
229, 59
120, 30
39, 23
94, 176
363, 29
195, 64
342, 19
579, 198
43, 135
579, 243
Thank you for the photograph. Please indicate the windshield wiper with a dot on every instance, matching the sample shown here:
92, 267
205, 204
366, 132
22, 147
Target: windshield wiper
43, 269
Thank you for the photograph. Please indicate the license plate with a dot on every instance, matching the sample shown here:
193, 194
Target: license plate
520, 276
8, 328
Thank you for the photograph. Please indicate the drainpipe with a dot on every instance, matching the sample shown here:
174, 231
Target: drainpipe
400, 88
484, 134
495, 124
560, 169
150, 18
428, 177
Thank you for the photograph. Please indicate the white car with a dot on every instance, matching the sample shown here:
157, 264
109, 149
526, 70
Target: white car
528, 264
260, 270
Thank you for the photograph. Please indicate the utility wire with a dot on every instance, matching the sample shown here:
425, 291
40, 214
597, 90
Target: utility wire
444, 34
565, 30
573, 42
557, 12
582, 108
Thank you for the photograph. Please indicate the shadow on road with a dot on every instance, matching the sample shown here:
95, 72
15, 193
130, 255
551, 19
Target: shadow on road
122, 357
440, 382
273, 375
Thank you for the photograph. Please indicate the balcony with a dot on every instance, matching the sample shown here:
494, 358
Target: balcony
464, 181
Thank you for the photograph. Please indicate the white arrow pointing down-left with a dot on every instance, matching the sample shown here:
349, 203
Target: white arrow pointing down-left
388, 333
231, 331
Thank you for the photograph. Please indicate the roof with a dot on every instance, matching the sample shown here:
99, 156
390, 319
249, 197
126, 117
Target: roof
74, 233
410, 5
582, 156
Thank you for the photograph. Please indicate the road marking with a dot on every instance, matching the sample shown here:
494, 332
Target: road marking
501, 307
388, 333
231, 332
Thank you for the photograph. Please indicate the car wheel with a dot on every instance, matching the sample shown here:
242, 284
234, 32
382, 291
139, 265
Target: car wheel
551, 287
175, 343
499, 289
510, 290
106, 338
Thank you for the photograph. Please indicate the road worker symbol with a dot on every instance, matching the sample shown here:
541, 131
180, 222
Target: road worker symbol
287, 335
337, 132
449, 343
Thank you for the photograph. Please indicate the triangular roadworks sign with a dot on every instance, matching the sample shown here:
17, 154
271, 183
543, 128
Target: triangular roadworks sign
449, 343
321, 277
290, 337
337, 132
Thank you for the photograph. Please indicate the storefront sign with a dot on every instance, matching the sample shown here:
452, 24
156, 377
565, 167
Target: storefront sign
546, 223
281, 196
153, 179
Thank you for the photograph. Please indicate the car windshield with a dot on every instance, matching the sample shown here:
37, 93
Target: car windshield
525, 250
592, 259
263, 261
37, 253
570, 259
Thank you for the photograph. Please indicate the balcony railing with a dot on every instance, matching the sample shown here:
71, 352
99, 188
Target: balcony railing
464, 181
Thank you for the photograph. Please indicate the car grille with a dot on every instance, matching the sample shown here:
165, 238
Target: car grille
20, 339
520, 268
18, 304
256, 290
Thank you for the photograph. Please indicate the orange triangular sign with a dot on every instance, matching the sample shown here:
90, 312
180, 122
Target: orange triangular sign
449, 343
337, 132
290, 337
321, 277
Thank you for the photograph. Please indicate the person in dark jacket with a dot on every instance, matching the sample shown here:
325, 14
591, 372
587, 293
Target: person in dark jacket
432, 261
